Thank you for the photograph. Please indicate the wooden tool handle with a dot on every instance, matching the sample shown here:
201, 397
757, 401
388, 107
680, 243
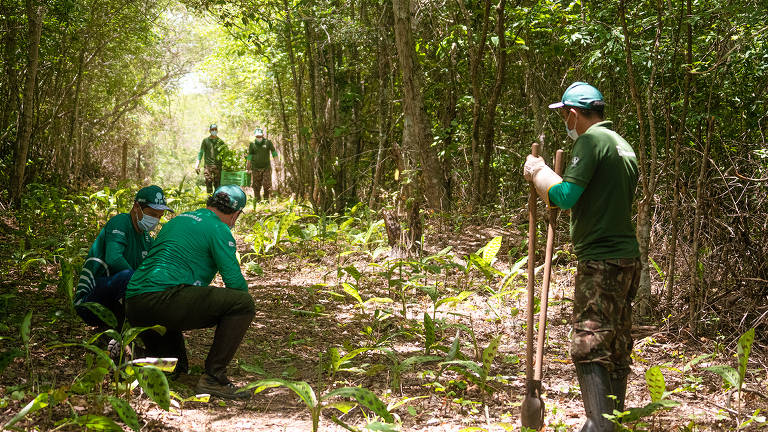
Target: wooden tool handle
531, 273
551, 223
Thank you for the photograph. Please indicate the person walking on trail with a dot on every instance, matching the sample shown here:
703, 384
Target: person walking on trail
118, 250
171, 288
211, 148
258, 162
599, 187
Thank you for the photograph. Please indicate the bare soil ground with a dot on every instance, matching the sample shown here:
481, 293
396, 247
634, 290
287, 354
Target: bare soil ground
285, 341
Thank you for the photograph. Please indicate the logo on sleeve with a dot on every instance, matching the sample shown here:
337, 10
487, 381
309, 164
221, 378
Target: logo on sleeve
625, 151
575, 161
114, 231
143, 254
231, 244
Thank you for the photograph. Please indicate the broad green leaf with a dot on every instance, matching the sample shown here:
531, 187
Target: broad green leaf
165, 364
255, 369
454, 299
429, 332
729, 374
743, 349
352, 271
454, 351
126, 413
382, 427
334, 358
101, 313
352, 354
343, 406
365, 398
155, 385
489, 353
98, 423
132, 332
26, 327
205, 398
352, 291
473, 429
301, 388
408, 363
491, 249
656, 384
467, 365
40, 401
635, 414
395, 405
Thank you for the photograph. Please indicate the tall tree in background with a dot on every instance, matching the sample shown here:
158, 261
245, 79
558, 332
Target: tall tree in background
35, 13
416, 129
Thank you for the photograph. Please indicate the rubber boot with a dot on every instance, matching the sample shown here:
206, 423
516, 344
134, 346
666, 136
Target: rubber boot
595, 383
226, 341
619, 387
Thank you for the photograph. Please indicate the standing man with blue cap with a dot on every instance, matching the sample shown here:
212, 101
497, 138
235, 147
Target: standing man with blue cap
258, 162
210, 149
118, 250
599, 187
171, 288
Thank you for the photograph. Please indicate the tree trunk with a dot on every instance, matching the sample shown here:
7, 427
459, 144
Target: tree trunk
383, 115
498, 85
416, 134
642, 301
698, 291
671, 267
35, 26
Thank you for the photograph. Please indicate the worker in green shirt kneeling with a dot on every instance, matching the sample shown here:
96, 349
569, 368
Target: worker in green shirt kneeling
171, 288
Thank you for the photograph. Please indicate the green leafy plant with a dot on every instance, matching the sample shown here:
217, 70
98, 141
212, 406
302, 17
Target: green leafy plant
316, 405
735, 377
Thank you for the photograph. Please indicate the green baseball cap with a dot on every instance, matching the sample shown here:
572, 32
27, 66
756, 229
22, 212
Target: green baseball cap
579, 95
235, 194
258, 132
213, 126
152, 196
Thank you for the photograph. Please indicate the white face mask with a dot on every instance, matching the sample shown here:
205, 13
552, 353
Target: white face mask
147, 223
214, 133
572, 134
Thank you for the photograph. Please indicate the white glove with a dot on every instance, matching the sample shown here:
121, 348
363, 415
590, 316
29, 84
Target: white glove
532, 165
542, 176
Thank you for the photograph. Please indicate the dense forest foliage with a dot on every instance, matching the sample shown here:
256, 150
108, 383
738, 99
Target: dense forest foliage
425, 109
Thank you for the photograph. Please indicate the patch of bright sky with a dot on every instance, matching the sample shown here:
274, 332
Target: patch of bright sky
191, 84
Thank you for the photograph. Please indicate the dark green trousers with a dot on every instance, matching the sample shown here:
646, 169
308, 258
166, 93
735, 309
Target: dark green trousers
188, 307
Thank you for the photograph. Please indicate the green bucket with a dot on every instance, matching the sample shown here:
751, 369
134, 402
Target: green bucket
240, 178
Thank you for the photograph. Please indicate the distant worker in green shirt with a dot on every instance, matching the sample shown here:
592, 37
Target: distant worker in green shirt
118, 250
210, 149
258, 162
171, 288
599, 187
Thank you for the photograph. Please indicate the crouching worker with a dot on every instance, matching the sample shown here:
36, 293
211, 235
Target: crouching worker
119, 248
171, 288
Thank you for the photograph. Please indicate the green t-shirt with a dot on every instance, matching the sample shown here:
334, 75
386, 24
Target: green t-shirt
189, 250
258, 153
210, 148
118, 247
605, 165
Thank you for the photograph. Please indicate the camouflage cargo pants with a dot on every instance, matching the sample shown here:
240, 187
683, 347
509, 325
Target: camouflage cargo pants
602, 312
261, 178
212, 176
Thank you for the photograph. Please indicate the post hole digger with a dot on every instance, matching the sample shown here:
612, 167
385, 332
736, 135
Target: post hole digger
532, 410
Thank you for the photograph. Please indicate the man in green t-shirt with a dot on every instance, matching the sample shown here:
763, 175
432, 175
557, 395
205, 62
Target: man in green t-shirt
258, 162
599, 187
211, 148
118, 250
171, 288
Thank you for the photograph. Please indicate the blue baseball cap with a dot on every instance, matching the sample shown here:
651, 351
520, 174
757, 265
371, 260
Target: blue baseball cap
579, 95
235, 194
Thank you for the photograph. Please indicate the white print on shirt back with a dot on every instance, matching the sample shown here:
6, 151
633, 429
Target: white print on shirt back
574, 161
190, 216
625, 151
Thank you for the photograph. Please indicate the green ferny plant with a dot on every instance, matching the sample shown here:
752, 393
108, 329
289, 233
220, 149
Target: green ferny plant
316, 405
